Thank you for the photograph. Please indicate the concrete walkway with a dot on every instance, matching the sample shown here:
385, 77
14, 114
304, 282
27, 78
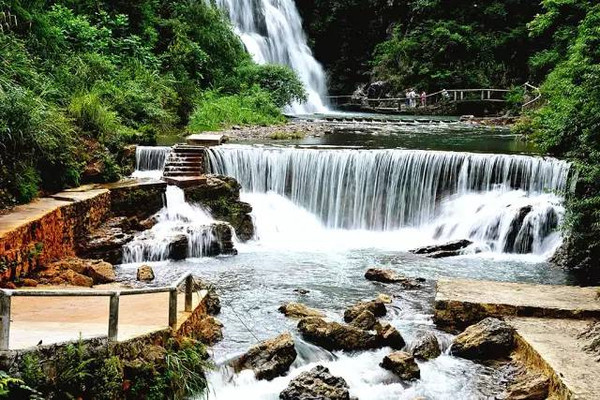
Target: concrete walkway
548, 320
60, 319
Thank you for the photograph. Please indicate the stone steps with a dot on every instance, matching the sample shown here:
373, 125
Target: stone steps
185, 161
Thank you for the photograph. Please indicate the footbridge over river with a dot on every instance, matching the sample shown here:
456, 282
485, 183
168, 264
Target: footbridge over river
436, 101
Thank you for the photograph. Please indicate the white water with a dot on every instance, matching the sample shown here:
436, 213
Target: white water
398, 199
272, 33
150, 161
176, 218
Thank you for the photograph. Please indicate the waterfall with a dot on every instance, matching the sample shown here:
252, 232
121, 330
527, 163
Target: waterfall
272, 32
150, 161
177, 222
506, 203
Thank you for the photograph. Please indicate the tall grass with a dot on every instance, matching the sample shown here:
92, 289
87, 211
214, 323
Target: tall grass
215, 112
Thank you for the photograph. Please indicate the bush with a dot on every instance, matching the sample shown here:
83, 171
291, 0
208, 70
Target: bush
215, 111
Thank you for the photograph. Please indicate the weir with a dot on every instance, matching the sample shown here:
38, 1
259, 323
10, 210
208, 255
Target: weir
506, 203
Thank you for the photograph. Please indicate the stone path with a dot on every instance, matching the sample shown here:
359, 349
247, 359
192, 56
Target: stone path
548, 320
60, 319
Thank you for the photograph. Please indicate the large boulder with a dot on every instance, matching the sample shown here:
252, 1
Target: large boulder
390, 337
377, 307
298, 310
529, 387
178, 247
208, 330
402, 364
269, 359
316, 384
487, 340
336, 336
426, 347
77, 272
449, 249
367, 321
389, 276
101, 272
145, 273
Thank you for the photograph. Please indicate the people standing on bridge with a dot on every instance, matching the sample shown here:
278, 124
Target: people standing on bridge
445, 95
413, 98
423, 99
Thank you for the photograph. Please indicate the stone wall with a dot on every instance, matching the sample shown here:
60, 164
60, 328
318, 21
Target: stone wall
52, 228
52, 233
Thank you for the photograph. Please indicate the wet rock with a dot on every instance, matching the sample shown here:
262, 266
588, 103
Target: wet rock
302, 291
223, 233
316, 384
510, 245
375, 306
148, 223
209, 330
269, 359
390, 337
178, 247
529, 387
389, 276
336, 336
145, 273
101, 272
449, 249
402, 364
298, 310
107, 241
366, 321
221, 194
426, 347
384, 298
487, 340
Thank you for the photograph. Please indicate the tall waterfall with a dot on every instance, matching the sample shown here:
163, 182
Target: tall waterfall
507, 203
272, 33
150, 161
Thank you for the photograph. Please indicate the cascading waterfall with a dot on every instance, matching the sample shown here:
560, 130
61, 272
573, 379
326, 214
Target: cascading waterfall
177, 221
504, 203
150, 161
272, 33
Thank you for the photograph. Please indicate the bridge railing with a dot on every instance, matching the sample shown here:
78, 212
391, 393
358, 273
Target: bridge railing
431, 99
6, 296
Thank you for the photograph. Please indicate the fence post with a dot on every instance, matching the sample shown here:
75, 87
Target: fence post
5, 327
113, 318
173, 308
189, 282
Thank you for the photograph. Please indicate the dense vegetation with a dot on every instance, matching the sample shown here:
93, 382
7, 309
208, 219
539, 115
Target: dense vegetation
80, 80
428, 44
568, 123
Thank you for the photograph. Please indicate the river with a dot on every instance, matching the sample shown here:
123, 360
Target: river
327, 209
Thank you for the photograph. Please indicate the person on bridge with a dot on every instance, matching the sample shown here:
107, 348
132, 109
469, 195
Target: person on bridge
407, 97
413, 98
423, 99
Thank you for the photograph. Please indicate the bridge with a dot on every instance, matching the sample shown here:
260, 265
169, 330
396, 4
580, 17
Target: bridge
436, 100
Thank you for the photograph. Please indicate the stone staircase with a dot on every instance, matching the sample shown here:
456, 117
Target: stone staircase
185, 164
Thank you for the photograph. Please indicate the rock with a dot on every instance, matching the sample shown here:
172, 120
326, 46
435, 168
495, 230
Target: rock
209, 330
8, 285
449, 249
389, 336
529, 387
223, 233
487, 340
107, 241
73, 278
145, 273
101, 272
389, 276
384, 298
336, 336
298, 310
375, 306
148, 223
426, 347
178, 247
302, 291
269, 359
316, 384
27, 282
514, 229
366, 321
402, 364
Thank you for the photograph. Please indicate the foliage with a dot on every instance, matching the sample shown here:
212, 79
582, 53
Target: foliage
13, 388
568, 124
185, 370
79, 80
215, 112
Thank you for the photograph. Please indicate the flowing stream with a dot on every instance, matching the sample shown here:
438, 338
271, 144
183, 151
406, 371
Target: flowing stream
150, 161
324, 216
272, 33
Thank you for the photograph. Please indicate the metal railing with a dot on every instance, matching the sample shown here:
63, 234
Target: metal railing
6, 296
